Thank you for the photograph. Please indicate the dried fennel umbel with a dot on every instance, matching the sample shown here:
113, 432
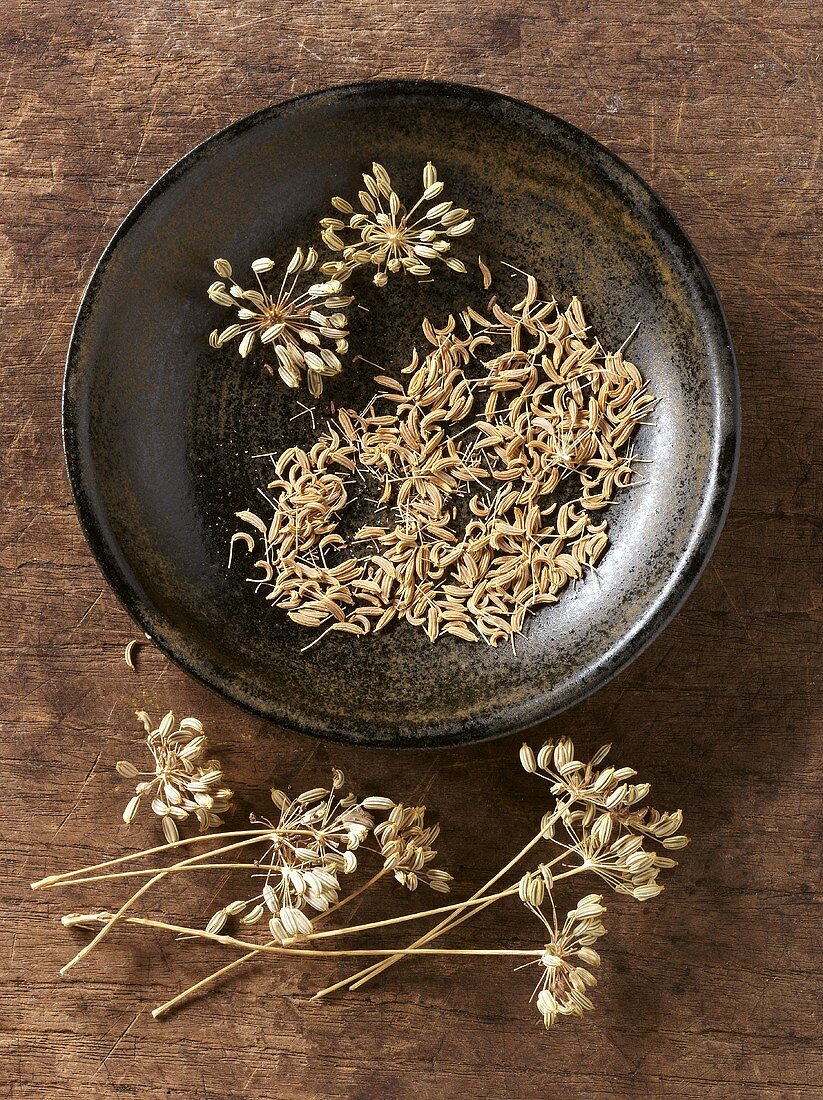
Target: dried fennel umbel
294, 871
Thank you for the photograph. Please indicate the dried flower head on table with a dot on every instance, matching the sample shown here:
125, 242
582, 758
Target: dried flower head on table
296, 864
184, 781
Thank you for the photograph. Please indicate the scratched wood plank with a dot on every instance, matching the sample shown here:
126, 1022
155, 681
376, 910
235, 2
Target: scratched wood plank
711, 991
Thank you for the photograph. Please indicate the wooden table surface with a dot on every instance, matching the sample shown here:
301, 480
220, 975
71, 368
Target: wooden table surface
712, 990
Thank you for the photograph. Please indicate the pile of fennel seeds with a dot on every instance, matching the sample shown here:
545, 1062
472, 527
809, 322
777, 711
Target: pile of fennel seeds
489, 473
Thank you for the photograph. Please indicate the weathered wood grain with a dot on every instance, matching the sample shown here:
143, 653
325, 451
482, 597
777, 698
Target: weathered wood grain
711, 991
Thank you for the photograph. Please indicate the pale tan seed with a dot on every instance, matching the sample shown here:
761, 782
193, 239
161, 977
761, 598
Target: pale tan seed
128, 653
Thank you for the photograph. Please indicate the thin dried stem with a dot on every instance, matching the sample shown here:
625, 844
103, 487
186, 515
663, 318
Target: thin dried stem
370, 972
135, 897
146, 871
257, 949
422, 914
64, 878
352, 929
284, 949
167, 1006
484, 904
448, 925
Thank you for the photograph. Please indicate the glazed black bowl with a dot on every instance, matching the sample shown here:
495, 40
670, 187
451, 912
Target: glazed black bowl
159, 428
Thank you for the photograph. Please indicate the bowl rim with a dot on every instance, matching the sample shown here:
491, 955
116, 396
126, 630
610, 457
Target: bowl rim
649, 625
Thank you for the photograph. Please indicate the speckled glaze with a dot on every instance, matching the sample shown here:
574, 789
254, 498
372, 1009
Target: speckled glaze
159, 428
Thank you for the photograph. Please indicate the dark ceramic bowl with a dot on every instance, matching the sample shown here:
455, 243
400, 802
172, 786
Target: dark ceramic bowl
159, 429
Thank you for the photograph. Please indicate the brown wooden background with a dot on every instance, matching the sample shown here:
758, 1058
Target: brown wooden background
710, 991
